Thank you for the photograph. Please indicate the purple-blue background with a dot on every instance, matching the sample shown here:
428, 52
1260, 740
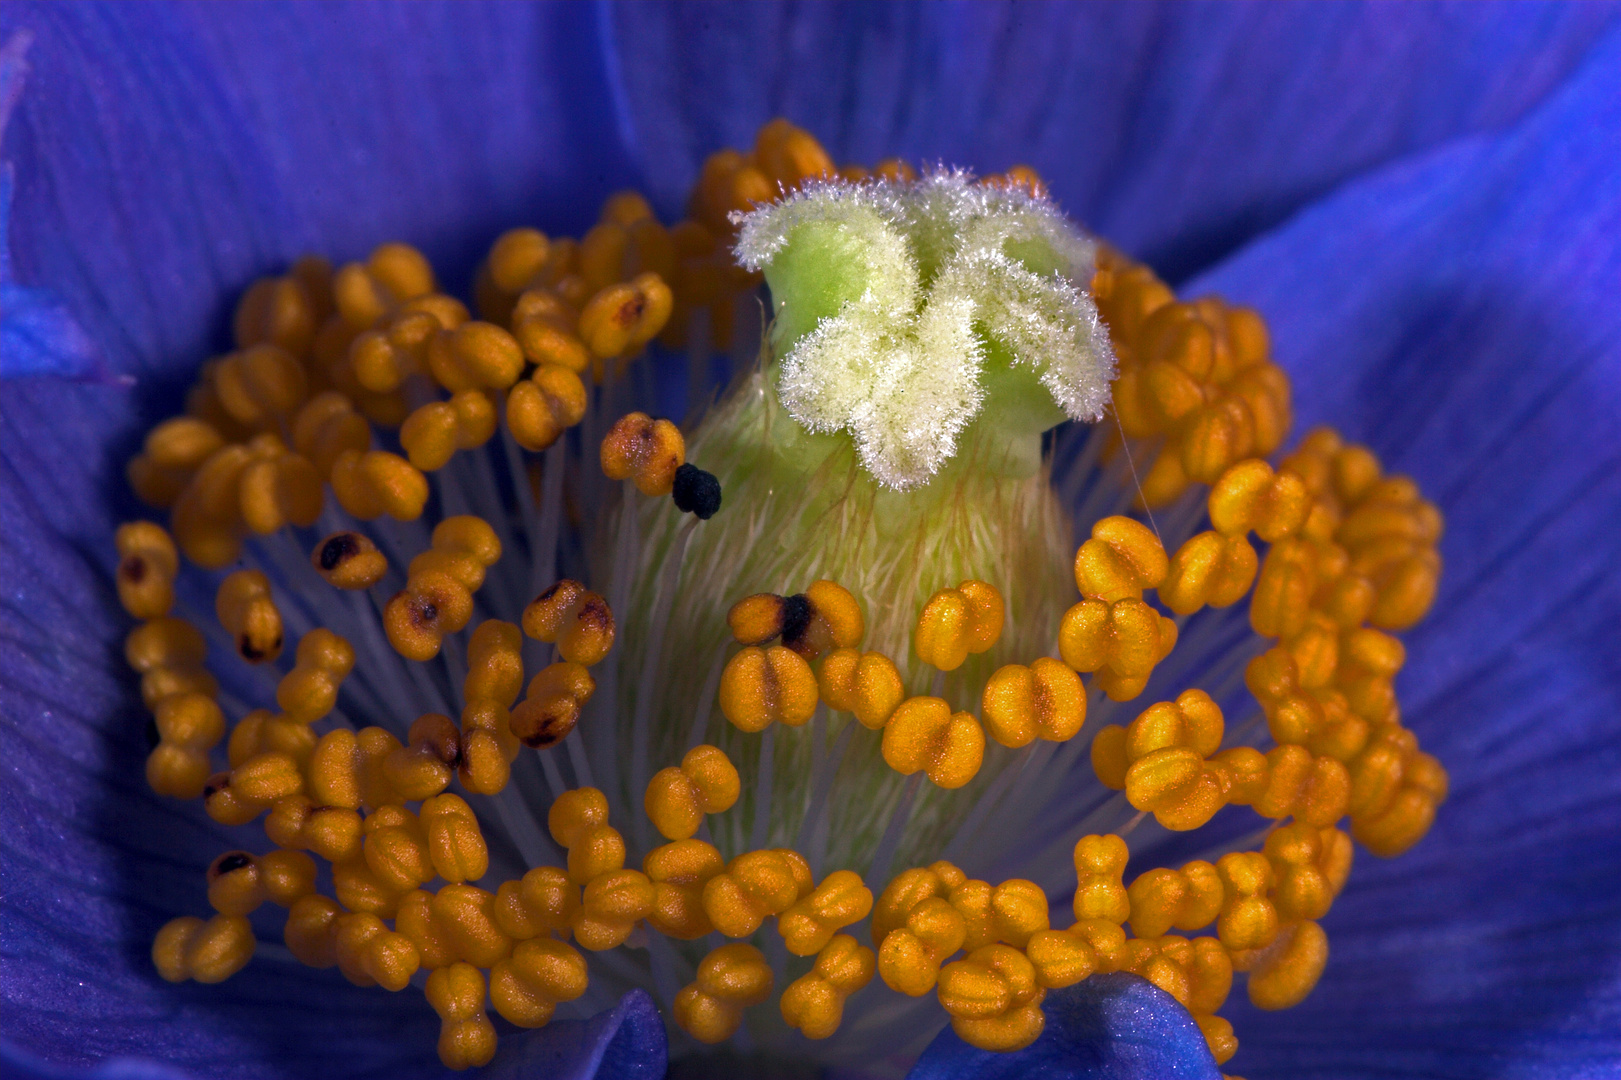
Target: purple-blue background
1424, 201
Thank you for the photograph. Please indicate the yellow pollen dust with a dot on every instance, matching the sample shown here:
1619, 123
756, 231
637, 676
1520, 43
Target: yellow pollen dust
370, 385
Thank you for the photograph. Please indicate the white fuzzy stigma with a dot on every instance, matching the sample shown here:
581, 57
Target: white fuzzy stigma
933, 272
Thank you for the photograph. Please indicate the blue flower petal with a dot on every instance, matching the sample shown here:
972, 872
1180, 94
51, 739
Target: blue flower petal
1458, 312
623, 1043
1108, 1027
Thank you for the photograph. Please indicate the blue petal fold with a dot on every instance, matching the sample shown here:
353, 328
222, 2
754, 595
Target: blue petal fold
1107, 1027
623, 1043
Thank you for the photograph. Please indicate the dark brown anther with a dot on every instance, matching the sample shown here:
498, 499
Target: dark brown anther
539, 724
133, 569
436, 734
230, 861
349, 560
338, 549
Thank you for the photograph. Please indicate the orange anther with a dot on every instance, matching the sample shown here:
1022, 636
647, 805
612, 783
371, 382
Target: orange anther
526, 988
516, 257
730, 979
1122, 641
909, 957
924, 734
1282, 600
814, 1002
246, 610
573, 617
754, 885
678, 798
679, 871
431, 605
310, 690
1121, 559
761, 686
1209, 569
1045, 699
611, 905
994, 998
1100, 861
543, 406
839, 901
1186, 899
494, 663
371, 484
349, 560
623, 317
645, 450
958, 622
466, 1036
1248, 919
1250, 497
1286, 974
867, 685
552, 706
147, 564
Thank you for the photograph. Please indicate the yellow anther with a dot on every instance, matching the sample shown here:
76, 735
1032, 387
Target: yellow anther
431, 605
841, 900
266, 777
552, 707
957, 622
908, 889
993, 998
599, 851
335, 770
1209, 569
1395, 790
433, 433
488, 747
1218, 1035
867, 685
174, 450
278, 488
284, 310
623, 317
189, 725
207, 516
1187, 899
814, 1002
679, 871
260, 385
789, 154
823, 617
147, 564
1065, 957
455, 843
235, 884
390, 959
262, 732
353, 934
526, 989
494, 663
516, 257
246, 610
755, 885
1299, 784
396, 849
415, 918
466, 1036
972, 899
759, 687
165, 642
730, 979
210, 952
475, 355
678, 798
546, 333
924, 734
333, 832
310, 690
550, 899
1283, 592
1044, 700
287, 876
1283, 976
1100, 862
602, 253
376, 482
1248, 918
468, 915
909, 957
644, 450
610, 907
463, 547
575, 813
1218, 434
543, 406
1127, 637
1121, 559
311, 928
162, 682
363, 293
1250, 497
349, 560
423, 767
1018, 910
576, 619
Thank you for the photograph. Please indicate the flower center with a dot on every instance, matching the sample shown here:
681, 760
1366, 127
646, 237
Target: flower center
825, 642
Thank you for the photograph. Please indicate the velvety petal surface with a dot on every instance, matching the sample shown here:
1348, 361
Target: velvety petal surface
1439, 308
1457, 311
1109, 1027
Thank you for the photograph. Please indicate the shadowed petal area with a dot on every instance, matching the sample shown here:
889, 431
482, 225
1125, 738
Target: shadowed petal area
1108, 1027
1179, 131
623, 1043
1458, 313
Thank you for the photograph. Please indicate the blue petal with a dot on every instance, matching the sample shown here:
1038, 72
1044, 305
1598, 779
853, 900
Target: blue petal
624, 1043
1458, 312
1108, 1027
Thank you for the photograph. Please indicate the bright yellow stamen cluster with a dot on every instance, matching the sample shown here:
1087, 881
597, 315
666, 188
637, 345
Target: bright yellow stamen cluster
1348, 557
